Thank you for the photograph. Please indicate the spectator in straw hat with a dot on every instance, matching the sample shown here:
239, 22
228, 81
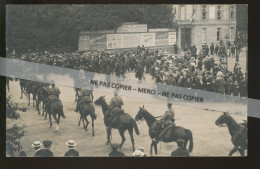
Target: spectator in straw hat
139, 152
181, 150
114, 152
37, 147
71, 153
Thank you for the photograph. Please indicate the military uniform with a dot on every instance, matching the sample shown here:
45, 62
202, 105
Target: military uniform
53, 93
168, 121
115, 109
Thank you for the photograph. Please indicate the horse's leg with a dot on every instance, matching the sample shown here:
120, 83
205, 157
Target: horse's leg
49, 118
233, 151
87, 122
108, 135
34, 99
29, 99
79, 119
93, 131
130, 130
46, 113
242, 152
155, 148
21, 92
58, 124
151, 148
43, 106
121, 132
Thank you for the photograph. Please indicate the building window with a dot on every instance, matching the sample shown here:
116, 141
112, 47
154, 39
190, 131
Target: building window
232, 34
204, 35
182, 12
219, 34
212, 12
219, 13
232, 12
204, 13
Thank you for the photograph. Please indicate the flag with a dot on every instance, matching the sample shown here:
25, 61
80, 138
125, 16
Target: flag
192, 16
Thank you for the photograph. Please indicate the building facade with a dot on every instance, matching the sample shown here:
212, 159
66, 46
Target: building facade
206, 23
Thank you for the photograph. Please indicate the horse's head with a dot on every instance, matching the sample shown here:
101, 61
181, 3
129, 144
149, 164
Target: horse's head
99, 101
222, 119
140, 114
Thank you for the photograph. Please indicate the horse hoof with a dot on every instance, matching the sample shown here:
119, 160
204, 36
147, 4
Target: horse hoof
107, 143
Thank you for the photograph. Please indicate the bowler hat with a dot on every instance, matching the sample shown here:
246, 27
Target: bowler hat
47, 143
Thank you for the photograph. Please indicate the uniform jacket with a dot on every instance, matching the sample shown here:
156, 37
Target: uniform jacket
168, 116
116, 102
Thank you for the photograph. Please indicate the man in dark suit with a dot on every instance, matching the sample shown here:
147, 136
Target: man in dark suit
37, 147
71, 153
181, 150
114, 152
46, 150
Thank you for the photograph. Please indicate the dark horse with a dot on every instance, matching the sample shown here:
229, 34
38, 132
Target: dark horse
155, 128
41, 96
86, 109
125, 122
55, 108
237, 131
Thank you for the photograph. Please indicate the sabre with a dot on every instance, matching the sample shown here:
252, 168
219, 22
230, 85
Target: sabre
157, 116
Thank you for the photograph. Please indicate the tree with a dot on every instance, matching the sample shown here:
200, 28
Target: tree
13, 134
48, 26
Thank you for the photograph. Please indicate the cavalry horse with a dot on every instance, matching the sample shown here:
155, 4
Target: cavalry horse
155, 129
29, 87
41, 96
85, 109
237, 131
55, 108
125, 122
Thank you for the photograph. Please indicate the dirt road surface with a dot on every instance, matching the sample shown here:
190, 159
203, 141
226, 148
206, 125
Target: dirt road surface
209, 139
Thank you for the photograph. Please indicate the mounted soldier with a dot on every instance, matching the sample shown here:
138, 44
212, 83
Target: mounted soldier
167, 121
115, 108
53, 94
84, 95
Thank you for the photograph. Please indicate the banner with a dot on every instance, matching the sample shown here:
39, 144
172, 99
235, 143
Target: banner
172, 37
131, 40
114, 41
161, 39
132, 28
148, 39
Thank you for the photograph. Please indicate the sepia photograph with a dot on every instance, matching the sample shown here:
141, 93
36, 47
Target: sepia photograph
126, 80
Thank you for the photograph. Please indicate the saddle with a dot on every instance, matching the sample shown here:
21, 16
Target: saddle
84, 100
51, 99
112, 116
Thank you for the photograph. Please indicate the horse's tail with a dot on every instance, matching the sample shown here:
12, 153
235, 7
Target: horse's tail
60, 109
190, 138
133, 122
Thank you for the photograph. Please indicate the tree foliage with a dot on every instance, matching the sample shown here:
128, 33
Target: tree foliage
14, 133
44, 26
